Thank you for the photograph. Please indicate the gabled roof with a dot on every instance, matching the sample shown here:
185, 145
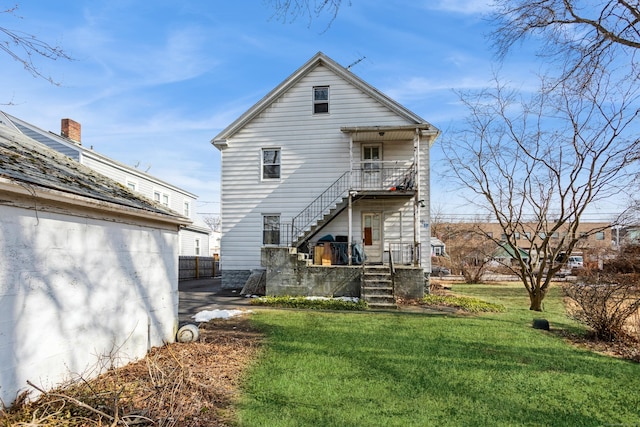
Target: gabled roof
317, 60
504, 250
33, 166
54, 140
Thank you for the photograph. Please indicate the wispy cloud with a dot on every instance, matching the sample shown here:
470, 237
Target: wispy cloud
461, 6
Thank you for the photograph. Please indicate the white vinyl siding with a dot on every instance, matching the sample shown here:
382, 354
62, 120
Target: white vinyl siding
314, 154
194, 243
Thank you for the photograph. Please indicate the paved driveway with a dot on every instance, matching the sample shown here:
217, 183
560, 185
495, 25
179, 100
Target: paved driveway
206, 294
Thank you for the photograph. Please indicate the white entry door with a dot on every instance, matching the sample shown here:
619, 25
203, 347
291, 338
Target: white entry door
372, 236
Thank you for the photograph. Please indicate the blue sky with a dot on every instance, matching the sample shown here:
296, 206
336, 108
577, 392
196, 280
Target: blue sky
152, 82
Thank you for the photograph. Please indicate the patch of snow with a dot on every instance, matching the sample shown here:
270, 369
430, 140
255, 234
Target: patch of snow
206, 315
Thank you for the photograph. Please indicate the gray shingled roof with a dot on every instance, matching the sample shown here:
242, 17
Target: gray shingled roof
25, 160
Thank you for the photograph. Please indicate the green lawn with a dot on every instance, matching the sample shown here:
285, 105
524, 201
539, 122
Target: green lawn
401, 369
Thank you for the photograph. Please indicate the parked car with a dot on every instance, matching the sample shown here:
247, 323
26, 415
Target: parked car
439, 271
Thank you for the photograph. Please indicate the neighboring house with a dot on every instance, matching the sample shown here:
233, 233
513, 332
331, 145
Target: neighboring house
505, 255
438, 248
324, 154
595, 243
88, 269
595, 236
194, 239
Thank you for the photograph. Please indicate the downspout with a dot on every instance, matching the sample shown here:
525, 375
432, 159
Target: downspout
416, 201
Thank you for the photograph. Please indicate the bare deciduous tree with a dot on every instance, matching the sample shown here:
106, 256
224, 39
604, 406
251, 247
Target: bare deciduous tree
469, 249
585, 36
22, 47
213, 222
544, 161
290, 10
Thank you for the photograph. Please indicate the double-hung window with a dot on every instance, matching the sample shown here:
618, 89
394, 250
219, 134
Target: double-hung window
270, 163
320, 99
271, 229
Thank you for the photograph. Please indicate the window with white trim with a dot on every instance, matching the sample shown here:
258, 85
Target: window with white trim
165, 200
271, 229
132, 185
270, 163
197, 247
187, 209
156, 196
320, 99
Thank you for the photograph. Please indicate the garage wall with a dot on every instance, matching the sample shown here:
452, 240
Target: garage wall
74, 290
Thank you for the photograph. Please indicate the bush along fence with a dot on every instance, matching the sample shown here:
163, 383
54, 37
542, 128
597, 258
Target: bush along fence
197, 267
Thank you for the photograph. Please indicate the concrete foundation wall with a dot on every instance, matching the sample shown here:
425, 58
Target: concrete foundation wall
409, 282
288, 275
234, 279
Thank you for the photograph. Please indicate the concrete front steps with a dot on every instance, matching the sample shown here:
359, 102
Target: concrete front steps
377, 287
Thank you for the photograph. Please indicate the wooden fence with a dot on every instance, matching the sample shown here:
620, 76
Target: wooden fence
197, 267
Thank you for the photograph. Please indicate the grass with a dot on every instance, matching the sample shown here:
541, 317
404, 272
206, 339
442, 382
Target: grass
400, 369
468, 304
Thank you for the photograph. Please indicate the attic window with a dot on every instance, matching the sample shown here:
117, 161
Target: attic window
320, 99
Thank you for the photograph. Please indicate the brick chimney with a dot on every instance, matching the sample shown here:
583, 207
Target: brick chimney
70, 129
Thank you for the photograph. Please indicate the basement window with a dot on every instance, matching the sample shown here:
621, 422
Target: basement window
321, 99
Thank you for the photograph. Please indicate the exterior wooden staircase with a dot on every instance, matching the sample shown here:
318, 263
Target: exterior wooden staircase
335, 199
377, 287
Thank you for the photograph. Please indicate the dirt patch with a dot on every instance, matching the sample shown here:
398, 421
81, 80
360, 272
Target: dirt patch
193, 385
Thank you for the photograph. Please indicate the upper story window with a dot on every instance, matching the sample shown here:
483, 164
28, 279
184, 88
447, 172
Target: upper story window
320, 99
270, 163
162, 198
187, 209
132, 185
600, 235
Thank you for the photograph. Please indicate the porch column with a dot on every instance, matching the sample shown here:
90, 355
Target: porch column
349, 232
350, 209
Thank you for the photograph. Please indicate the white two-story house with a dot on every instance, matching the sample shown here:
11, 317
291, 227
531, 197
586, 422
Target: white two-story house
194, 238
323, 157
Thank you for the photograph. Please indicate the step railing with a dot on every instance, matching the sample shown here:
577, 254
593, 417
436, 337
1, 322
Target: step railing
321, 205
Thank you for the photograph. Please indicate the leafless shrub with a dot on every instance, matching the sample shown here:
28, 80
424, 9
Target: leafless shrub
186, 385
606, 302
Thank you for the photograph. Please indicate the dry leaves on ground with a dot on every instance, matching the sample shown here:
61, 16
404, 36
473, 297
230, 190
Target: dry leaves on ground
191, 385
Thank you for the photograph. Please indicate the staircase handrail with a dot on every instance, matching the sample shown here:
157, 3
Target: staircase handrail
317, 207
349, 180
